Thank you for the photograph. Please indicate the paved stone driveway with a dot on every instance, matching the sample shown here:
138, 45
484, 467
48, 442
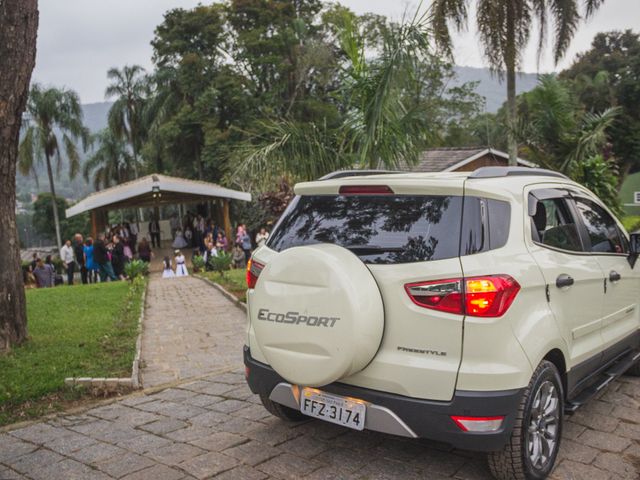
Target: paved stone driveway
214, 427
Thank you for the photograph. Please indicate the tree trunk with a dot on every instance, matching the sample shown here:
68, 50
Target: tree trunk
510, 64
54, 204
18, 31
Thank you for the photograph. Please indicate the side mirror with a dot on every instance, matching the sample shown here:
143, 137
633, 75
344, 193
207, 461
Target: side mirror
634, 248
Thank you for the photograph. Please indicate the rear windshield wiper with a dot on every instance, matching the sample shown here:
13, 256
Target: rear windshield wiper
369, 249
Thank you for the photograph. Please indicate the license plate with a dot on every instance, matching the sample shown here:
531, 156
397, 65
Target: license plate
332, 408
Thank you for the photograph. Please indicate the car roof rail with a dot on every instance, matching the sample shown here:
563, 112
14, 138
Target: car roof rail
496, 172
356, 173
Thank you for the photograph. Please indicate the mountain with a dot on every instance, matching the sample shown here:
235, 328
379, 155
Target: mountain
95, 115
490, 87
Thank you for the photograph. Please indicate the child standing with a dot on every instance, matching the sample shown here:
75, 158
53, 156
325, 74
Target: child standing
181, 265
168, 269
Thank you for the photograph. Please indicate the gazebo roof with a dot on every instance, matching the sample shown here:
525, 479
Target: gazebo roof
152, 190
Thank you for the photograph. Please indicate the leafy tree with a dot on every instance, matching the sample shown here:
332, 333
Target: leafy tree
189, 51
609, 75
111, 162
52, 113
390, 106
129, 86
557, 133
505, 28
601, 177
43, 218
274, 44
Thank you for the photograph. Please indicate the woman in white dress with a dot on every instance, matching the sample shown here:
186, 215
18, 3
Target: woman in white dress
181, 265
168, 269
179, 241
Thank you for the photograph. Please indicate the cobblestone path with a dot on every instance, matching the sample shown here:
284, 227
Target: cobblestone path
190, 330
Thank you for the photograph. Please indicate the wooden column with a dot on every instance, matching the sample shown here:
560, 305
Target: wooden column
227, 221
94, 224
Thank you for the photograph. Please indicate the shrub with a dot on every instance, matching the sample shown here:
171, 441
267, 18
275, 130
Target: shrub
198, 263
601, 177
136, 268
221, 262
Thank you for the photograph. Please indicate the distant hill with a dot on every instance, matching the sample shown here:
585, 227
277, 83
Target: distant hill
95, 115
490, 87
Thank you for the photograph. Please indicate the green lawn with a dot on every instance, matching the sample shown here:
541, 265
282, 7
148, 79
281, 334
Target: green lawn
631, 223
234, 281
80, 331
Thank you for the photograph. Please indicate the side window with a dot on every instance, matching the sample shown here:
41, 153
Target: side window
553, 225
485, 225
603, 231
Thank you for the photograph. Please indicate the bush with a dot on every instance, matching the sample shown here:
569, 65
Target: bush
221, 262
601, 177
57, 265
136, 268
198, 263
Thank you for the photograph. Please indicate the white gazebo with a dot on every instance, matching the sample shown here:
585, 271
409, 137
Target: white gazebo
153, 191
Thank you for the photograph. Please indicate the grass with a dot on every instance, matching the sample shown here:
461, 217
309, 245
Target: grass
80, 331
631, 223
234, 281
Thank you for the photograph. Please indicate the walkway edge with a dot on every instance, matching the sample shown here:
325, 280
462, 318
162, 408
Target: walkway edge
135, 368
229, 296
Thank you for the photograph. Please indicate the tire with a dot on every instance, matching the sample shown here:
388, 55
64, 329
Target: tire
280, 411
515, 461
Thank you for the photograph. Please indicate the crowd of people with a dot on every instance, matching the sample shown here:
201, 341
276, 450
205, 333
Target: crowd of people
105, 257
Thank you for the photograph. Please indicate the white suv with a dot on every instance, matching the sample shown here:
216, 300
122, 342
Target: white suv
473, 308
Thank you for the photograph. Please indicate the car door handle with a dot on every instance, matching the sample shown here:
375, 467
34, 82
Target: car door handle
564, 280
614, 276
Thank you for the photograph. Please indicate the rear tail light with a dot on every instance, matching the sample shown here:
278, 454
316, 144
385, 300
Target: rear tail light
478, 424
490, 296
486, 296
443, 295
253, 272
365, 190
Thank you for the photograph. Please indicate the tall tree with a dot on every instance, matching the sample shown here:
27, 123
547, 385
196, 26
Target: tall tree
386, 104
111, 162
188, 50
18, 32
129, 86
52, 113
505, 28
608, 74
557, 133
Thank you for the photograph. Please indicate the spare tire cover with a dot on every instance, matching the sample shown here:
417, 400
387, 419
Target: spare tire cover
317, 313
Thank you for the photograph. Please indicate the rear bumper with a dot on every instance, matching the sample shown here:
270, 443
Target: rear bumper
424, 418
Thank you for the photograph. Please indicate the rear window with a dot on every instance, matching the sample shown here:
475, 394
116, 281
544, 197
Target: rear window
379, 229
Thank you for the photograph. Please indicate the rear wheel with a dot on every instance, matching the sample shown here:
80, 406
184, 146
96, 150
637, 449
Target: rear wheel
533, 447
280, 411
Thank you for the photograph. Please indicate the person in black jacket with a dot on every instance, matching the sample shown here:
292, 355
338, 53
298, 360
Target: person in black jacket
78, 252
117, 257
101, 258
154, 232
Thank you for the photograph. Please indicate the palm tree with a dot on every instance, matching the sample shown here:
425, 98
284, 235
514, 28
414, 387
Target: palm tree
382, 125
556, 132
505, 29
111, 162
129, 85
53, 112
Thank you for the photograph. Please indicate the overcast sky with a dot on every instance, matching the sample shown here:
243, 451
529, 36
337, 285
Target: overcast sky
79, 40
